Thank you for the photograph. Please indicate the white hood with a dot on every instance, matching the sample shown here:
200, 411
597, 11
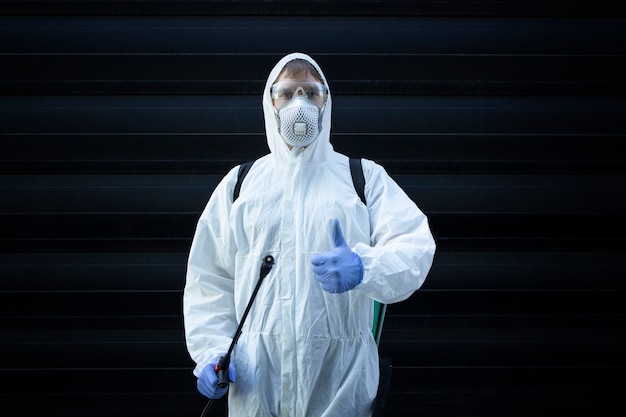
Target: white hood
316, 152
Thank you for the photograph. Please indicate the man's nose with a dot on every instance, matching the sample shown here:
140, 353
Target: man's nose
300, 92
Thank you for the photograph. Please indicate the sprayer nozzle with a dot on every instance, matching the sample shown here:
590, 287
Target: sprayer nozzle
266, 266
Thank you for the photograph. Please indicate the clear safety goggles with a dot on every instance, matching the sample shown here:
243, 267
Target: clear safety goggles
283, 91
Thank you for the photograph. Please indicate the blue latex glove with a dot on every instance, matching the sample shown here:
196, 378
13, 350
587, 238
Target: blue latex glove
340, 269
207, 381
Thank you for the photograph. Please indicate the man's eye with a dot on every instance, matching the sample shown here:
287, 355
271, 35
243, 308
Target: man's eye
285, 94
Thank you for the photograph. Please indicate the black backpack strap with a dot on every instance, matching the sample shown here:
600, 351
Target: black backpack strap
356, 170
243, 171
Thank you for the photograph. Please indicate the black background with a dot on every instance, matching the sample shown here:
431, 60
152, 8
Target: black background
503, 120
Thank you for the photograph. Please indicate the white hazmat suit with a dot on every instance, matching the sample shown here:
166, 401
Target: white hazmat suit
303, 352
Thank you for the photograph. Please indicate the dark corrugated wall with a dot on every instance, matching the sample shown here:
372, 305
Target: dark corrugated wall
505, 121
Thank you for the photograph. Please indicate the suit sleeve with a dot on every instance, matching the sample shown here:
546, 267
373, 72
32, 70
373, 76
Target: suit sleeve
402, 247
208, 300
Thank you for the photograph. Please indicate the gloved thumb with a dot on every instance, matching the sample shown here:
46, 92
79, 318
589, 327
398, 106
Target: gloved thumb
338, 239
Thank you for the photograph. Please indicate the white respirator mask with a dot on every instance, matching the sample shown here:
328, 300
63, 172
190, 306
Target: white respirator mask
300, 119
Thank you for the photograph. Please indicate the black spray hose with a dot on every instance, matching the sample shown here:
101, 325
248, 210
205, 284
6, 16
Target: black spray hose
221, 369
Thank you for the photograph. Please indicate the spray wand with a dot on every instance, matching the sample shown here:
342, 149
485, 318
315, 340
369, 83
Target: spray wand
221, 369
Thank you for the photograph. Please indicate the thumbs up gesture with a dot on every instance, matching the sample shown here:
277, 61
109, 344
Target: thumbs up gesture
340, 269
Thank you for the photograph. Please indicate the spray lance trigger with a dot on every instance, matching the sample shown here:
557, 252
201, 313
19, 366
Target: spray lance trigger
221, 369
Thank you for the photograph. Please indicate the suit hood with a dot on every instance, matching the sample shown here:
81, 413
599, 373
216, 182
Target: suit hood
316, 152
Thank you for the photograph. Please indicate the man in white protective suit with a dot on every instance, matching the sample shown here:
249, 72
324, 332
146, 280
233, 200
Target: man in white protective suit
306, 348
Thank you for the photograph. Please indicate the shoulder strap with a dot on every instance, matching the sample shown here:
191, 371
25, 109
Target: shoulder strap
356, 170
243, 171
358, 178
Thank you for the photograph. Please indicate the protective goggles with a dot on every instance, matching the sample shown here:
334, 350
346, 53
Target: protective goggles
283, 91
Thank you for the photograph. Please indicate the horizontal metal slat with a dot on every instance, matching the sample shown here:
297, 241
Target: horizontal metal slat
450, 271
475, 402
393, 166
472, 352
406, 153
574, 347
93, 272
184, 194
444, 244
173, 232
383, 116
399, 404
91, 304
89, 355
105, 404
178, 381
189, 74
375, 36
514, 302
178, 225
425, 302
570, 8
214, 148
